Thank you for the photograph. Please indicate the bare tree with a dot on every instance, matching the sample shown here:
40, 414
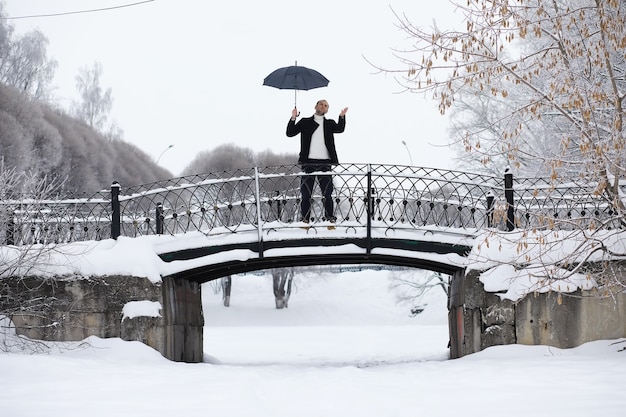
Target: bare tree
282, 280
31, 70
554, 72
411, 285
37, 137
22, 195
95, 103
226, 284
476, 116
24, 62
224, 157
558, 63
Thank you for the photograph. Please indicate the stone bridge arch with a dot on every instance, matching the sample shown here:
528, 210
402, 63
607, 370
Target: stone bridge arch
182, 300
477, 319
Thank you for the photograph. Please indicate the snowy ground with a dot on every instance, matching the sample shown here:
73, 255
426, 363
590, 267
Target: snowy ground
342, 348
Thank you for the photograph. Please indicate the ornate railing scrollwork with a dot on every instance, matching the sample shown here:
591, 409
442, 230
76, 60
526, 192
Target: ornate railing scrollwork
268, 198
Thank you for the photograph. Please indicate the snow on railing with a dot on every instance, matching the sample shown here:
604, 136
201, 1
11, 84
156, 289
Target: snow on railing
365, 195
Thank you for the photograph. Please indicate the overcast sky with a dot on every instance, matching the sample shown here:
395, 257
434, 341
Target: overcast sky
189, 73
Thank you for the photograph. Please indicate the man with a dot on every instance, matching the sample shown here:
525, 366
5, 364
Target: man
317, 154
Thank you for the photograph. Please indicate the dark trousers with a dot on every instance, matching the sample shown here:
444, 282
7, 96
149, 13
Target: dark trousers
326, 185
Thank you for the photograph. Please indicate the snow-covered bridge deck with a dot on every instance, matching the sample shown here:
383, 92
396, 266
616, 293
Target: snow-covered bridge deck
202, 258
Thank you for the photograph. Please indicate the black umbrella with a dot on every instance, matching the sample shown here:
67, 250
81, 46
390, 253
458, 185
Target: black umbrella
295, 78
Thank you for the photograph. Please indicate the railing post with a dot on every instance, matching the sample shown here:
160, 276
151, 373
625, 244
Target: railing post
258, 211
159, 218
370, 209
510, 204
116, 224
490, 198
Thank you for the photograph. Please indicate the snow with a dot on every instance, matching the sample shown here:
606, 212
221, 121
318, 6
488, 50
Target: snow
522, 262
344, 347
517, 283
515, 264
142, 308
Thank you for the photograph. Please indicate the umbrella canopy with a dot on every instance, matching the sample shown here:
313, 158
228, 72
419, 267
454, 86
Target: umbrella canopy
296, 78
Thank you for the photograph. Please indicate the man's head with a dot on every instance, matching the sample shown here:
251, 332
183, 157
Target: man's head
321, 107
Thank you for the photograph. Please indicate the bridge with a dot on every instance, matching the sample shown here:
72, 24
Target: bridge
222, 223
247, 219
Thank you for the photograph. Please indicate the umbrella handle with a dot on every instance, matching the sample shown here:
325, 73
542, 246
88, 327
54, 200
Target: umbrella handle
295, 100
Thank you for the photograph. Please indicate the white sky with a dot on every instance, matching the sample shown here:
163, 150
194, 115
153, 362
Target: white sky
190, 72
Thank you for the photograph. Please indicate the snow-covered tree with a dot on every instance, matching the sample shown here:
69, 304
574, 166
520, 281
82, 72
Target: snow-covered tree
538, 64
542, 87
24, 62
39, 138
22, 194
95, 103
409, 286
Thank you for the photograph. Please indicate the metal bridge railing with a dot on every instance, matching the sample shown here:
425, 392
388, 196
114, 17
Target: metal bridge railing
262, 198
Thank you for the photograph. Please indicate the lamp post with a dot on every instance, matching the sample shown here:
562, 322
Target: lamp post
408, 151
164, 150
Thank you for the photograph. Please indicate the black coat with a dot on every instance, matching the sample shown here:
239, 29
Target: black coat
306, 126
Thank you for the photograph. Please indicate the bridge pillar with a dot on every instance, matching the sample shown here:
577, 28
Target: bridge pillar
183, 320
477, 319
461, 320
